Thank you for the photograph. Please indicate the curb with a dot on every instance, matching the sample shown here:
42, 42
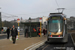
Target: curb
36, 45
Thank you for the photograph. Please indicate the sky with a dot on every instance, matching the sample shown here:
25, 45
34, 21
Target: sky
14, 9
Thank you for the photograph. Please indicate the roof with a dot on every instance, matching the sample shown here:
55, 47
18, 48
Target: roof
32, 23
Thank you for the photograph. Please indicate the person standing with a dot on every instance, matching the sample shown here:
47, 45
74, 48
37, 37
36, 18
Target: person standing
26, 32
8, 32
14, 33
44, 32
39, 32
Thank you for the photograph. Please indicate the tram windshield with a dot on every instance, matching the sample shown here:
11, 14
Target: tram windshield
55, 25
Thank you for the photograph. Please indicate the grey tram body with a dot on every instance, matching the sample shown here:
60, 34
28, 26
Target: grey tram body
64, 38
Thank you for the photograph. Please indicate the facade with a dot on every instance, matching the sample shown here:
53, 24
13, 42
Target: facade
71, 22
36, 19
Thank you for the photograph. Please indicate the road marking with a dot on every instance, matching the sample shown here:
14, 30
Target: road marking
34, 45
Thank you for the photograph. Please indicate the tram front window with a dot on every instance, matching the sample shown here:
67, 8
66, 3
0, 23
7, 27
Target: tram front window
55, 25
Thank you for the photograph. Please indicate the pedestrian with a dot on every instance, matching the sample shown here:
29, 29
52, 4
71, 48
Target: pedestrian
8, 32
44, 32
26, 32
1, 30
14, 33
39, 32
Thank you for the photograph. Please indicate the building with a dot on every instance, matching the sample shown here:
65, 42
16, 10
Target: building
71, 22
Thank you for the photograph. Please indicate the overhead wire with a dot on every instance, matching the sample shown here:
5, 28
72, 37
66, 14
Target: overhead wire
9, 14
57, 3
34, 13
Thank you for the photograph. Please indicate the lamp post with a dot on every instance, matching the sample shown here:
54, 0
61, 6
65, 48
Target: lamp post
18, 21
40, 26
30, 26
0, 22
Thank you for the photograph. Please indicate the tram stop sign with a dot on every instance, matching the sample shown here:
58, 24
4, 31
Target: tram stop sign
18, 20
40, 19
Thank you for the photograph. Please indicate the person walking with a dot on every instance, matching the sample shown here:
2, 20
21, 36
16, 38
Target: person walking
14, 33
46, 31
8, 32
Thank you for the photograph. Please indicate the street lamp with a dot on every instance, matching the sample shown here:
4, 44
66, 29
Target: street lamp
0, 22
30, 26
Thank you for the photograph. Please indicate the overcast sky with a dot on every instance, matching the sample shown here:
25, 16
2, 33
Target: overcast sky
34, 8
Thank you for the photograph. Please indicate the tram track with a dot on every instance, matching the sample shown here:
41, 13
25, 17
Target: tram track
65, 46
62, 46
45, 47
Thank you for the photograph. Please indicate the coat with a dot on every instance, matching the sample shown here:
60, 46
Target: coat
26, 31
44, 31
8, 31
14, 32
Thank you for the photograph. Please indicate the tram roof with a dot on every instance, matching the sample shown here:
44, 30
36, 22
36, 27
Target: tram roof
57, 14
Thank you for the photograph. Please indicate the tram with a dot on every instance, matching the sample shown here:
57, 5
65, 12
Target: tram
57, 28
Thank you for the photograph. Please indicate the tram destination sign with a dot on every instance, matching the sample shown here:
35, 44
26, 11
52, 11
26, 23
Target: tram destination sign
56, 18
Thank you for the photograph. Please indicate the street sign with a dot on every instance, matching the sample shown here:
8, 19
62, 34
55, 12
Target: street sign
40, 19
18, 29
18, 20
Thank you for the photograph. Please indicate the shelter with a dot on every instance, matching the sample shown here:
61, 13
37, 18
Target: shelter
31, 26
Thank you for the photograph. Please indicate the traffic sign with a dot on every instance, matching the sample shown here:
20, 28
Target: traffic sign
18, 20
18, 28
40, 19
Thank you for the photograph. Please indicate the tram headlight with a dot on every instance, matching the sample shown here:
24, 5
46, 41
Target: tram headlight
51, 36
58, 35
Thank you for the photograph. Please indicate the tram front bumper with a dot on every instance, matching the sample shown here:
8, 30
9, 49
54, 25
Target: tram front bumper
58, 39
